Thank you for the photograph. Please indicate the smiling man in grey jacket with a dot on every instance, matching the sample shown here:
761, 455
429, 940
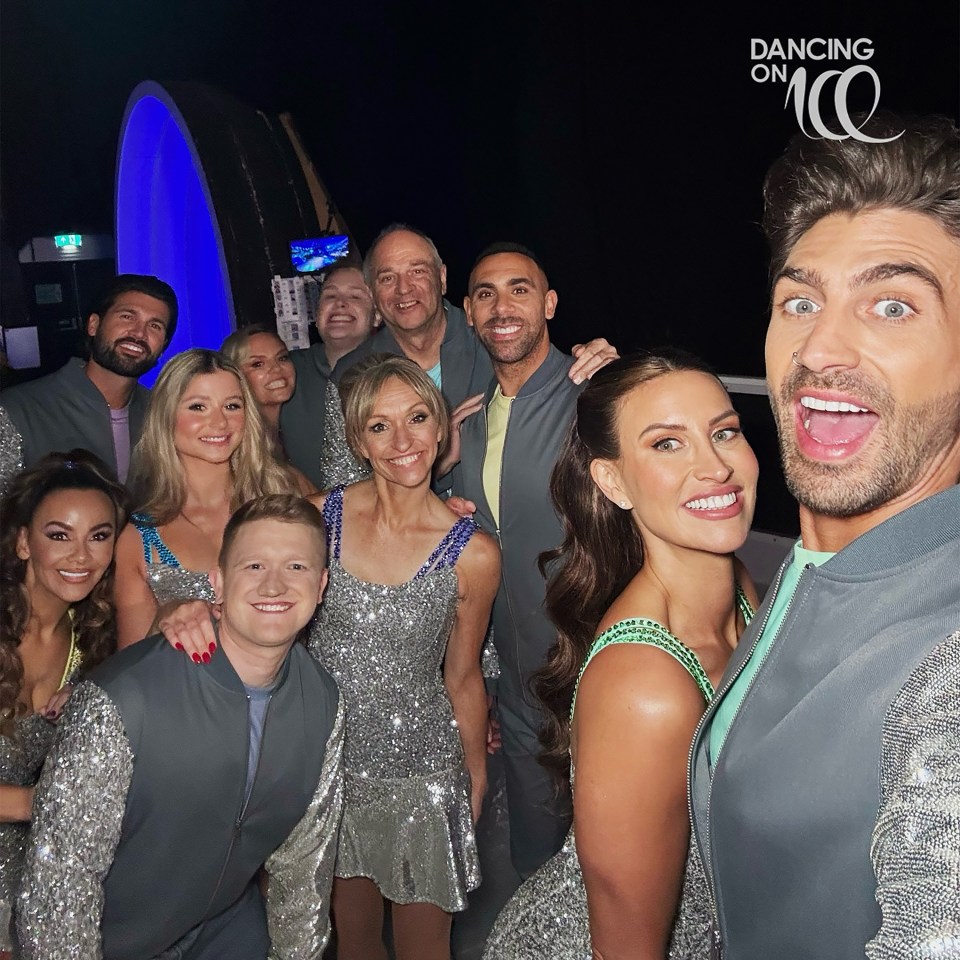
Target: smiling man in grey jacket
507, 454
170, 783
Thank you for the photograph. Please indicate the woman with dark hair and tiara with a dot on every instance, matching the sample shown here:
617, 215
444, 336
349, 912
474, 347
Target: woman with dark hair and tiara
655, 488
400, 630
59, 522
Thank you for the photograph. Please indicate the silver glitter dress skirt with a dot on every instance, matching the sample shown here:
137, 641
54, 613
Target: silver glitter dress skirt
406, 821
21, 758
547, 917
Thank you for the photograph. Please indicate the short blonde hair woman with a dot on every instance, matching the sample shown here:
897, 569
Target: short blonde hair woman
203, 452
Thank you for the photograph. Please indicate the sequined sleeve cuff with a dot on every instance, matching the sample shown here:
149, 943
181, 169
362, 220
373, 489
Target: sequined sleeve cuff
77, 813
301, 869
11, 450
916, 841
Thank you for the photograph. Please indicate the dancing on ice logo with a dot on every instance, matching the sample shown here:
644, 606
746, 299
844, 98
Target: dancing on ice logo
806, 100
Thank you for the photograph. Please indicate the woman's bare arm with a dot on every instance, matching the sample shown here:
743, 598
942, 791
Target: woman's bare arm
132, 597
478, 573
636, 713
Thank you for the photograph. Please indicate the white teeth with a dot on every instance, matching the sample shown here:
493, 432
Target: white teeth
712, 503
273, 607
403, 461
78, 576
214, 439
513, 328
831, 406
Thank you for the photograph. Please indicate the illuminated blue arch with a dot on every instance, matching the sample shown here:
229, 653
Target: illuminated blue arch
165, 220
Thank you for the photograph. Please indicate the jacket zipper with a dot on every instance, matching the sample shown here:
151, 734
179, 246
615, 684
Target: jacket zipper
244, 801
716, 946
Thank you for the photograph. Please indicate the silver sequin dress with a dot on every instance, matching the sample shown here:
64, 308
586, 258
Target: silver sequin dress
21, 759
406, 821
547, 917
11, 450
168, 580
338, 465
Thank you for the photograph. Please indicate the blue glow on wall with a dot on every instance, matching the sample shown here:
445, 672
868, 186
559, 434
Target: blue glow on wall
165, 220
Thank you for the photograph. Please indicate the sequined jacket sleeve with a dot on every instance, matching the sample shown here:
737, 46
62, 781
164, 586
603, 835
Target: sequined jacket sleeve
77, 813
11, 450
916, 841
301, 869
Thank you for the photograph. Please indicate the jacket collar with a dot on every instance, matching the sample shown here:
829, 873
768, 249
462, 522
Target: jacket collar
555, 364
221, 669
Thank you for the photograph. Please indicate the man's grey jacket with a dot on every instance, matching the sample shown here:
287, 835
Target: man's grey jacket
540, 418
141, 831
65, 410
846, 750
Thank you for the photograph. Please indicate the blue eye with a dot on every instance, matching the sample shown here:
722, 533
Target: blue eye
891, 309
800, 306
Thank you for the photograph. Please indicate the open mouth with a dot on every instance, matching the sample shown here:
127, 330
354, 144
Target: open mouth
504, 329
712, 503
405, 461
217, 441
273, 607
405, 305
132, 347
74, 576
832, 428
277, 385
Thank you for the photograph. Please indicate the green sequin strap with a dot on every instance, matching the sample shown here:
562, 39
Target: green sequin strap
641, 630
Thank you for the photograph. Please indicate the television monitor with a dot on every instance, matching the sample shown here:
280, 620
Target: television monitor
318, 253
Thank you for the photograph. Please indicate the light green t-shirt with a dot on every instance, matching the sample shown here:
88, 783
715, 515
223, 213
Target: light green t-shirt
435, 375
730, 704
498, 413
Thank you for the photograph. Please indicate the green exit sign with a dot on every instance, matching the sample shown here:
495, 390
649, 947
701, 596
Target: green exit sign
68, 240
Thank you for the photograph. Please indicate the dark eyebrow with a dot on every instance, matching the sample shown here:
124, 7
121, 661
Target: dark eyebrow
888, 271
723, 416
482, 285
802, 275
516, 281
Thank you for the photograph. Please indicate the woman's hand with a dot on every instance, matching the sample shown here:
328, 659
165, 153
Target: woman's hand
590, 358
478, 790
187, 625
16, 803
451, 456
57, 702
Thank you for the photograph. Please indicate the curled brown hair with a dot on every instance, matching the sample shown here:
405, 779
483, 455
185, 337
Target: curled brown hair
94, 623
601, 550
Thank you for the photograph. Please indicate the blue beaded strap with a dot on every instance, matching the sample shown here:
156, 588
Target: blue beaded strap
151, 540
446, 554
449, 548
642, 630
333, 518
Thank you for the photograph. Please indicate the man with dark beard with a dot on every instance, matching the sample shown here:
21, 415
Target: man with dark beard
96, 404
825, 777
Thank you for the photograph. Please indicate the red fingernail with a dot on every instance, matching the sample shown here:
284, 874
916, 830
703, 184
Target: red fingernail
213, 646
178, 646
206, 658
195, 657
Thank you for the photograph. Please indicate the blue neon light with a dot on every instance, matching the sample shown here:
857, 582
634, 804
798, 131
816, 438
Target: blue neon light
166, 225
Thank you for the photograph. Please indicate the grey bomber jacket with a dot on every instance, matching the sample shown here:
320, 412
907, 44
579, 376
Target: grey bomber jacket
540, 417
831, 825
140, 829
65, 410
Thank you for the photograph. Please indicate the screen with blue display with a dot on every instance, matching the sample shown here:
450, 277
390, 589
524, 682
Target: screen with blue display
318, 253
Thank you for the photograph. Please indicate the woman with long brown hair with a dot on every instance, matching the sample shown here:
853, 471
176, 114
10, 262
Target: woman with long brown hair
655, 488
203, 452
58, 526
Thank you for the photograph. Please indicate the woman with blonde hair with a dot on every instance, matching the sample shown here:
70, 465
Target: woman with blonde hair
58, 527
203, 452
400, 629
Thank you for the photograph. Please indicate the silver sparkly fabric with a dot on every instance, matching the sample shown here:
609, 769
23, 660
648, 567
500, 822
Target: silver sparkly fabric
547, 916
11, 450
76, 827
338, 465
916, 841
21, 758
301, 869
406, 821
178, 583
